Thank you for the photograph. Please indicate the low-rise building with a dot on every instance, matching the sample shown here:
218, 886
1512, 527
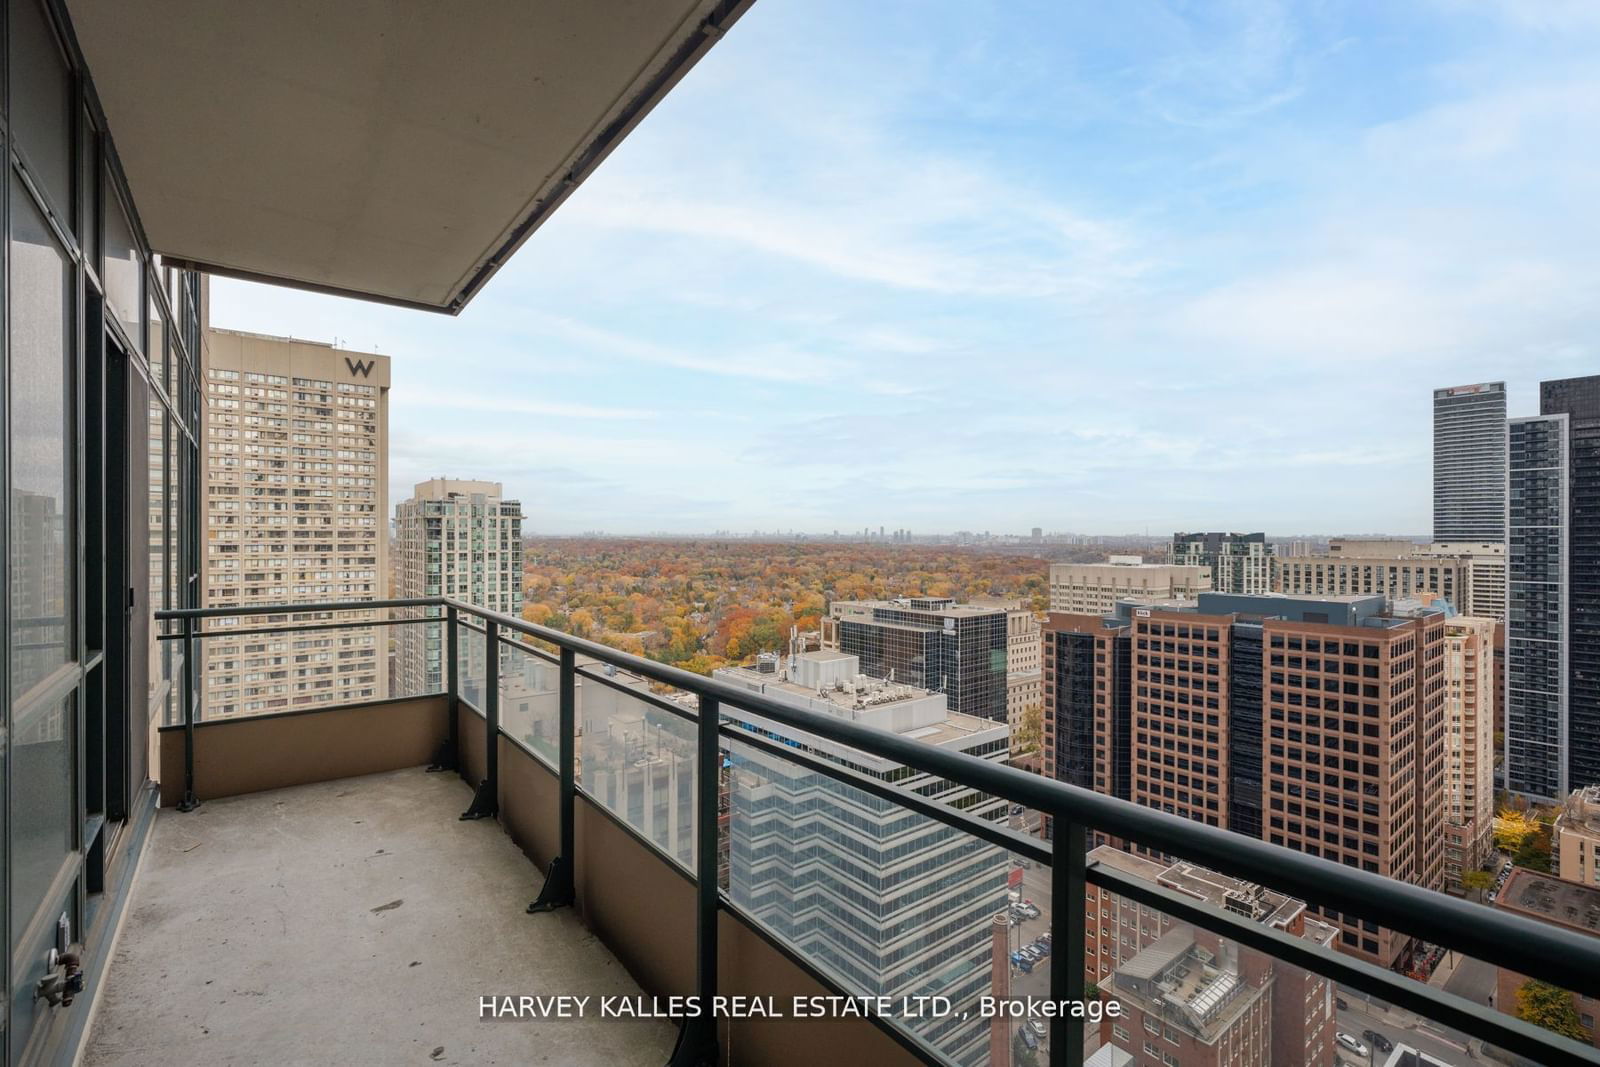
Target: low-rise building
1575, 838
1297, 1024
1573, 907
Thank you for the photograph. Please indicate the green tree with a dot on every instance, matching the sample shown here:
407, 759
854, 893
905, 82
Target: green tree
1477, 881
1550, 1007
1534, 852
1029, 731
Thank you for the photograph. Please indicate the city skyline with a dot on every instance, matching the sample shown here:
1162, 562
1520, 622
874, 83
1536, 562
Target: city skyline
889, 279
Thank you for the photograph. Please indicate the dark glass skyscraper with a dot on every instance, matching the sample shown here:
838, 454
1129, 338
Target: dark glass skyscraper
1537, 607
1469, 463
1579, 400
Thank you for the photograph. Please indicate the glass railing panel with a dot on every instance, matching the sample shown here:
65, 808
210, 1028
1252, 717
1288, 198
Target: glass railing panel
530, 701
1186, 994
471, 663
636, 756
261, 665
886, 901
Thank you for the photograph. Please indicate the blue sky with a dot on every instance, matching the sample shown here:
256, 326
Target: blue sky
1091, 267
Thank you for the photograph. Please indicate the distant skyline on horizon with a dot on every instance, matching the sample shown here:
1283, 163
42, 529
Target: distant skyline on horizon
1164, 267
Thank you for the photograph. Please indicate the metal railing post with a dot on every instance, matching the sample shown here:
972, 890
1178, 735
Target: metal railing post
558, 890
446, 758
1067, 892
189, 802
486, 802
697, 1041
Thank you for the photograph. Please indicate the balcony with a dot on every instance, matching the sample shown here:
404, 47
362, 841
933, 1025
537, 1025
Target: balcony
317, 861
342, 905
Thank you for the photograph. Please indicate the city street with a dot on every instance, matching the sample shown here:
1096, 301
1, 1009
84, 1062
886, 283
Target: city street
1400, 1027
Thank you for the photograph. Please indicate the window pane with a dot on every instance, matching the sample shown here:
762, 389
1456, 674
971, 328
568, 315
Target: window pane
39, 434
160, 652
41, 820
122, 271
41, 103
158, 348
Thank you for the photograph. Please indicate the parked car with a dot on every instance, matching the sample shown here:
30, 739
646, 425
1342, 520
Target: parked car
1025, 967
1016, 809
1028, 1039
1341, 1004
1352, 1044
1041, 949
1038, 1027
1381, 1043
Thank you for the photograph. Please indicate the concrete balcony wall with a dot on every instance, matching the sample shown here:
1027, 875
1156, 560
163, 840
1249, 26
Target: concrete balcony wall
639, 903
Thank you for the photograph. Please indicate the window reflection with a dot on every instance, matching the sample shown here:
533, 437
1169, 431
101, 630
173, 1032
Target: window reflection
40, 320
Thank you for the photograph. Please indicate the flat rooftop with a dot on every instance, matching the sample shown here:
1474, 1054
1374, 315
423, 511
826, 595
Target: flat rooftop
1551, 900
928, 605
862, 695
1265, 906
248, 911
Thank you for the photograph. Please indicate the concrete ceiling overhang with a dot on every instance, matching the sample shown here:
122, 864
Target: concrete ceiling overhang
395, 150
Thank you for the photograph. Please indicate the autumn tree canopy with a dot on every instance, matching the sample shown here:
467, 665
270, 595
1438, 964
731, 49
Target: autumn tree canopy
702, 604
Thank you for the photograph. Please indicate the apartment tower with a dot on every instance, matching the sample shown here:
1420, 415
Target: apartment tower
460, 539
1239, 563
1470, 707
1469, 462
295, 489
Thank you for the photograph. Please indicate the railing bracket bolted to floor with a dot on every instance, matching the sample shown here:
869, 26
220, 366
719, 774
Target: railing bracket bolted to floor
559, 891
486, 801
444, 757
558, 888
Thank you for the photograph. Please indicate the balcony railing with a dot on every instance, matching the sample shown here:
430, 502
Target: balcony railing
1529, 948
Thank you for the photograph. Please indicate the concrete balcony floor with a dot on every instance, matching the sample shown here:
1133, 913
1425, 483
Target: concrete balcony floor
353, 921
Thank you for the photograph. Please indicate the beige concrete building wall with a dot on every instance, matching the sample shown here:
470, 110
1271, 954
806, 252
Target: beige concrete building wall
1469, 755
1372, 547
1024, 666
1472, 576
296, 456
1576, 837
1095, 588
1395, 577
